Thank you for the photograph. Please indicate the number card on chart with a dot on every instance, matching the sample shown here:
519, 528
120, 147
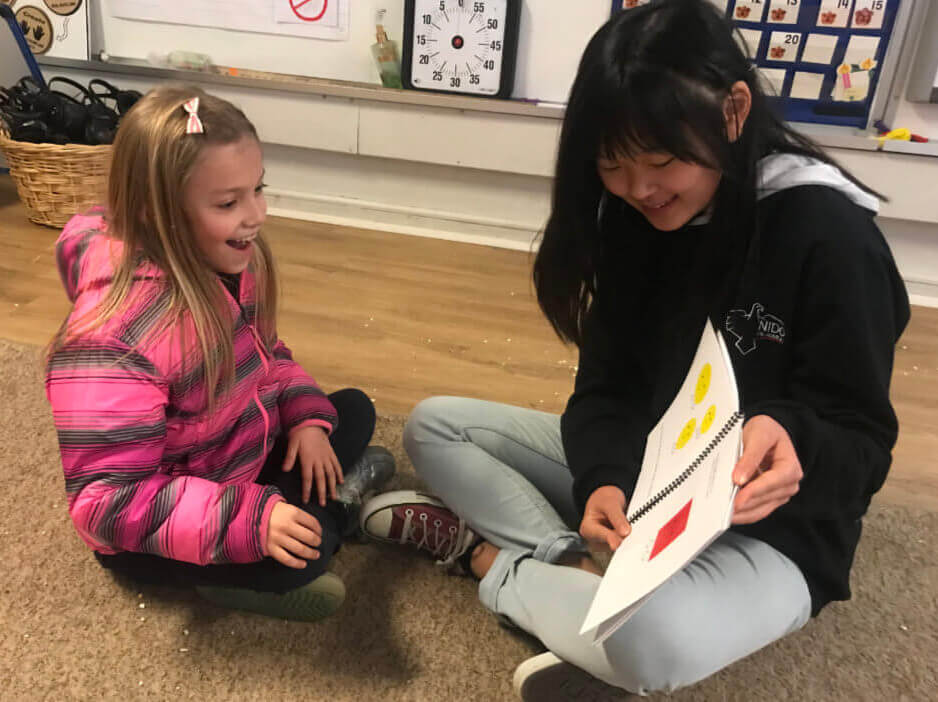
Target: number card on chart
799, 44
749, 10
784, 46
784, 11
834, 13
869, 14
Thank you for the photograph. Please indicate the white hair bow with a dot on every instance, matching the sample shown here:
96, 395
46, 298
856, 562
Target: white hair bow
194, 125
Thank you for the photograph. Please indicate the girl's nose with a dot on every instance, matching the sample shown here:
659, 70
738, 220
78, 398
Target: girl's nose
256, 212
641, 187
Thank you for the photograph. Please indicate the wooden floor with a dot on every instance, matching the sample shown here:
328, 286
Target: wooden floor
404, 318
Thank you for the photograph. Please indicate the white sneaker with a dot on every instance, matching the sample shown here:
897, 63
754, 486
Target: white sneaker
546, 678
409, 517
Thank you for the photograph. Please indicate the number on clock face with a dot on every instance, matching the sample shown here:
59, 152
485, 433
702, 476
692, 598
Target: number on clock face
458, 45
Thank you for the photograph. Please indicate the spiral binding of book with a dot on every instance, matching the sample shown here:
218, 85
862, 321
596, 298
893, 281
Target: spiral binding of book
734, 419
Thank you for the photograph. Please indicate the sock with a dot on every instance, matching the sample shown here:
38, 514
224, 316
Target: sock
465, 560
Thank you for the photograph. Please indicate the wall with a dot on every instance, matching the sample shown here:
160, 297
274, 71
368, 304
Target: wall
549, 45
920, 117
418, 170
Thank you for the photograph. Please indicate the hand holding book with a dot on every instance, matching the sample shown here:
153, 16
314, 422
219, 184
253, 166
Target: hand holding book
769, 469
604, 524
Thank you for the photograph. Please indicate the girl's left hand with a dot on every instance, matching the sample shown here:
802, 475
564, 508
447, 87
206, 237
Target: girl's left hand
769, 469
317, 460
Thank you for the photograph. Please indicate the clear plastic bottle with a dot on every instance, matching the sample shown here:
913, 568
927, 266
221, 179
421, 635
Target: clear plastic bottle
386, 56
186, 60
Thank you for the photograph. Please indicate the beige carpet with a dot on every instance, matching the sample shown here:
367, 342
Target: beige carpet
406, 632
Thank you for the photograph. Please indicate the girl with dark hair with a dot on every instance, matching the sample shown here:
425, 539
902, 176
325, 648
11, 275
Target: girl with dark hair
679, 196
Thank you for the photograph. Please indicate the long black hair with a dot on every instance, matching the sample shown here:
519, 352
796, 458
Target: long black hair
655, 78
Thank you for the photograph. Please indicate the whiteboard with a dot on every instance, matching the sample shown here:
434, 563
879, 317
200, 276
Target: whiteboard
319, 19
552, 38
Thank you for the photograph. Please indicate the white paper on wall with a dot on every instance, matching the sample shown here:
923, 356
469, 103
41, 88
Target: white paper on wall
752, 38
807, 86
773, 79
819, 48
860, 49
314, 19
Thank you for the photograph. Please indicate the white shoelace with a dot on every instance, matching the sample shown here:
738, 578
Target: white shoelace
446, 545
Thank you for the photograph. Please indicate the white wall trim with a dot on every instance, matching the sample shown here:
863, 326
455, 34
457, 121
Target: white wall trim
922, 292
402, 219
485, 231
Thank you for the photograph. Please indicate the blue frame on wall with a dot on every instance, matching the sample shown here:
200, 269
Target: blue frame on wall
824, 110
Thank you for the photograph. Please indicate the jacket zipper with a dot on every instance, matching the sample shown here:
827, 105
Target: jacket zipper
257, 398
261, 352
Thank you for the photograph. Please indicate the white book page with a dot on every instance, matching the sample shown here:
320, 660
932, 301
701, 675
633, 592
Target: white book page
706, 401
686, 517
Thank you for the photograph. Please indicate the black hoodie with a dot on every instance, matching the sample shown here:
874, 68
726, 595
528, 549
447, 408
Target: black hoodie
811, 332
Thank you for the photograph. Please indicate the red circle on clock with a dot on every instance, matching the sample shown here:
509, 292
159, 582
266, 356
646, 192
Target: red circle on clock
458, 42
297, 5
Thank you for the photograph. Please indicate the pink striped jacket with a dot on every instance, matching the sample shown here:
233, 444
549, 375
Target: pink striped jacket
147, 469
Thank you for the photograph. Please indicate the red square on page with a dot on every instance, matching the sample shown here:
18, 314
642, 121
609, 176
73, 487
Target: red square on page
670, 531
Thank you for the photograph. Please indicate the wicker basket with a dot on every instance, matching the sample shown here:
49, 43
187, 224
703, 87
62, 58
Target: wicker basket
56, 181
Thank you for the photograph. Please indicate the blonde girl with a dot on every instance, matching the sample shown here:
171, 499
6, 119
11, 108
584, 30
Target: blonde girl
180, 414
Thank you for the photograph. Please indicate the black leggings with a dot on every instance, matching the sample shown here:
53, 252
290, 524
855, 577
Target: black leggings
349, 441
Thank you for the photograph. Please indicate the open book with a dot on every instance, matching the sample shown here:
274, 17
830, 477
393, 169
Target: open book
684, 496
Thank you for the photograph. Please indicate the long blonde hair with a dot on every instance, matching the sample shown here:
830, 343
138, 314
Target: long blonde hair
152, 160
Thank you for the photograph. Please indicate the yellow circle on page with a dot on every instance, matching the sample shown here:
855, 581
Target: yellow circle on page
703, 384
707, 420
687, 433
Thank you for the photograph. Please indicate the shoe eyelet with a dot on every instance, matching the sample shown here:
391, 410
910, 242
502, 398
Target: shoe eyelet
409, 512
452, 530
423, 516
437, 522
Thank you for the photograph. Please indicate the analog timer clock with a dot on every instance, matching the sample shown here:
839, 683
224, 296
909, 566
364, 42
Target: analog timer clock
468, 47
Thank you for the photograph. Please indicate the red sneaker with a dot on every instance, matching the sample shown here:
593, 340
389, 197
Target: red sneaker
410, 517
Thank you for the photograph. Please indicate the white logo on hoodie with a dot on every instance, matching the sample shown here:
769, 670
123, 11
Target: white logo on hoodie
754, 326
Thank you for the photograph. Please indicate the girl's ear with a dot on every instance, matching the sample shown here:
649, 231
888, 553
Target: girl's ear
736, 109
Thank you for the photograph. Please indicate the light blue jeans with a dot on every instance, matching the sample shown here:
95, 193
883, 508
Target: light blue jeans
503, 470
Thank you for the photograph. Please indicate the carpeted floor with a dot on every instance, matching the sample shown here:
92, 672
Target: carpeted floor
406, 631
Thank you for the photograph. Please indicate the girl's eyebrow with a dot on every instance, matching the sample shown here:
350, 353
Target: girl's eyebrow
225, 191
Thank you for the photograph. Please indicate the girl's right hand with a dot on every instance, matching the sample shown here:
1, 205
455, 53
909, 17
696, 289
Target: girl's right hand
604, 524
293, 535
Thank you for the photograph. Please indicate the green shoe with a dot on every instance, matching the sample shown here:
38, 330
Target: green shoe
314, 601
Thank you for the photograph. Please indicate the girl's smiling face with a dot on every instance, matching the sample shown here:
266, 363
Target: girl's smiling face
224, 203
667, 191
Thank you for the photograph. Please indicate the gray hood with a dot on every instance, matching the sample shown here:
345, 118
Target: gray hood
779, 172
